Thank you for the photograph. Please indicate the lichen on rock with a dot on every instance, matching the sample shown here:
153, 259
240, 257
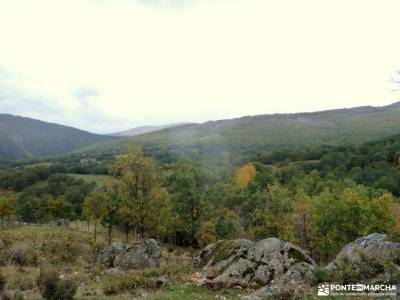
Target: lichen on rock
142, 255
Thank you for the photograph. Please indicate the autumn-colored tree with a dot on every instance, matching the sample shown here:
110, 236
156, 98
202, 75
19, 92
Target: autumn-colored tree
246, 175
206, 233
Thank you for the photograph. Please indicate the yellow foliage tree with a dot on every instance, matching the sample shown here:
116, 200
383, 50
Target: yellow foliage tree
246, 175
206, 233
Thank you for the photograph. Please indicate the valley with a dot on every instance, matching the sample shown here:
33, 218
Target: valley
68, 213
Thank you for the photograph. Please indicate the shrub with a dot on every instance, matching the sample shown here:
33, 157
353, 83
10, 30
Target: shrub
19, 256
322, 275
53, 288
23, 255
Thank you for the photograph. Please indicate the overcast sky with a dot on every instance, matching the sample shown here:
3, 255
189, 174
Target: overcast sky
109, 65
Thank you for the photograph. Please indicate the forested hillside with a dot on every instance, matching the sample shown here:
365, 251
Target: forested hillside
269, 132
26, 138
265, 194
319, 199
144, 129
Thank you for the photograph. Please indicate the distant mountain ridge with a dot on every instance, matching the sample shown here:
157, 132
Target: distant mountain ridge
271, 132
22, 137
144, 129
28, 138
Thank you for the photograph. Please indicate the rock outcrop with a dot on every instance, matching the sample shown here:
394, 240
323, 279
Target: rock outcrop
277, 266
142, 255
370, 259
63, 223
279, 270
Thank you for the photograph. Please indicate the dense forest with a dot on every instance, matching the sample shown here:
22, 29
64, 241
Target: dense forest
319, 198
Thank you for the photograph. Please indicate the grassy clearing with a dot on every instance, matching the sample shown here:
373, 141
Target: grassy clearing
25, 250
190, 292
98, 179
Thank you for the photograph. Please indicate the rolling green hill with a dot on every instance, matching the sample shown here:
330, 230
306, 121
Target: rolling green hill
27, 138
270, 132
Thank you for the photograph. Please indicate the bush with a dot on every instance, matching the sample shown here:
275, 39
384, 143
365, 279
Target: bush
23, 255
19, 256
322, 275
53, 288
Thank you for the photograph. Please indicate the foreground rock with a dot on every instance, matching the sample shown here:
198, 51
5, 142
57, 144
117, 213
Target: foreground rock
279, 267
279, 270
371, 259
142, 255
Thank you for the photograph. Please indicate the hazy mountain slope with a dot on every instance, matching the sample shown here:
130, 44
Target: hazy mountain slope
144, 129
24, 138
268, 132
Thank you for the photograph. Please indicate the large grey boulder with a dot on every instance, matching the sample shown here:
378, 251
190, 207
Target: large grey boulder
370, 259
108, 256
280, 270
142, 255
294, 284
276, 266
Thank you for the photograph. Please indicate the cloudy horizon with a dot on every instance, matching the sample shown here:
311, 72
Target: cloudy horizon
106, 66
